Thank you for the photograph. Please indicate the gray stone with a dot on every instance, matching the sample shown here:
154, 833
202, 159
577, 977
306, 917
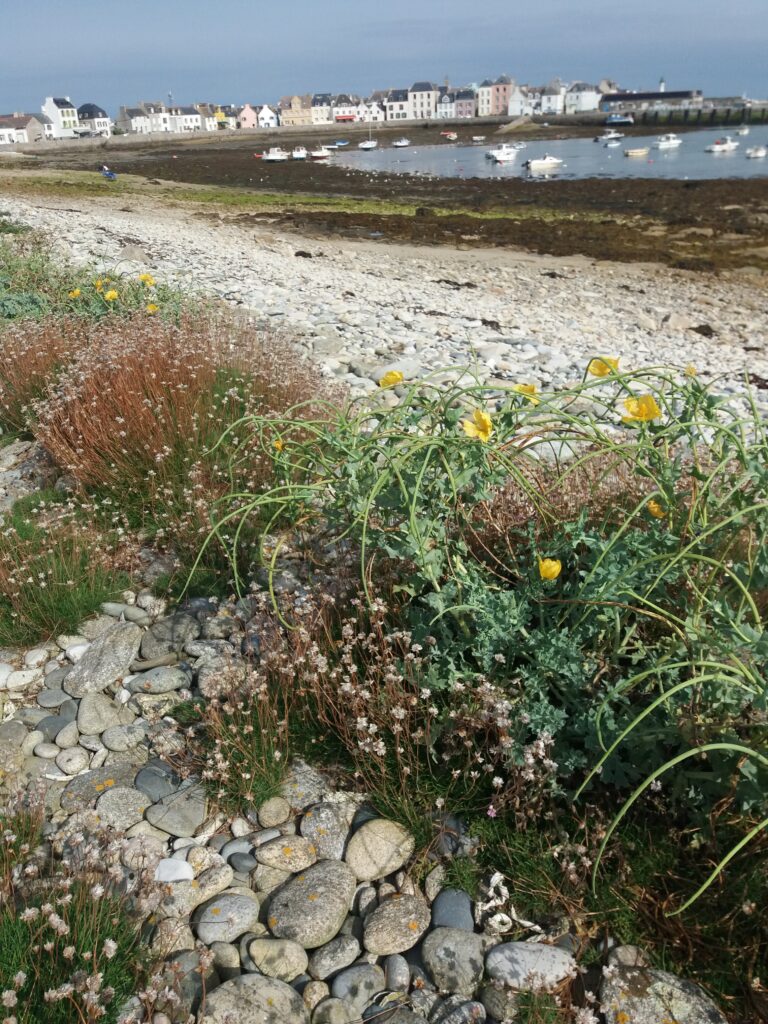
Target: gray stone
107, 659
180, 814
68, 710
454, 959
169, 635
68, 736
333, 957
274, 812
184, 897
51, 698
183, 973
158, 780
170, 869
254, 999
83, 792
54, 679
49, 751
529, 966
377, 849
469, 1012
172, 935
265, 879
51, 726
72, 761
397, 973
226, 917
23, 679
314, 992
304, 785
311, 908
643, 995
243, 863
12, 734
96, 713
452, 908
332, 1011
357, 986
287, 853
499, 1001
159, 680
124, 737
278, 958
396, 925
121, 806
30, 742
226, 960
327, 826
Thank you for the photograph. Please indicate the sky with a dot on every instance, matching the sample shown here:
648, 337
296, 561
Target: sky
237, 51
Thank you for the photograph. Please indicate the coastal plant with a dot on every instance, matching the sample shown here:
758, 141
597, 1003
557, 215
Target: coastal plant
597, 554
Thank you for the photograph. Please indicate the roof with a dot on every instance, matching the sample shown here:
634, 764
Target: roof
342, 100
397, 96
423, 87
134, 112
465, 94
321, 99
503, 80
19, 120
486, 83
89, 111
189, 110
583, 87
447, 97
64, 103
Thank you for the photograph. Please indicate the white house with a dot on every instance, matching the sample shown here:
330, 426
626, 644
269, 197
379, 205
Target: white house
422, 101
184, 120
396, 105
371, 111
267, 117
7, 135
159, 118
523, 101
321, 108
446, 105
345, 109
94, 120
133, 120
582, 98
553, 98
63, 116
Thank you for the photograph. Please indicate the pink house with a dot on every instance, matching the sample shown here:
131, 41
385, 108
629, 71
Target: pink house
248, 117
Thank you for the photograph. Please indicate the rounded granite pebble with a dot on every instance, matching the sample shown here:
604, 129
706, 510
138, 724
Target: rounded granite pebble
47, 750
72, 760
311, 908
120, 807
287, 853
396, 925
254, 999
278, 958
378, 848
68, 736
274, 812
357, 986
327, 826
226, 917
333, 956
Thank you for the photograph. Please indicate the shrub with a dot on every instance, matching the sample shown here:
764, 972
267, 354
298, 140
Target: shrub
597, 555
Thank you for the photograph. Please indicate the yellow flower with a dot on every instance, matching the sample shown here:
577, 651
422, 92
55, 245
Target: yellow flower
641, 409
110, 296
657, 511
480, 426
152, 308
528, 391
98, 284
603, 366
391, 379
75, 293
279, 444
690, 370
147, 280
550, 568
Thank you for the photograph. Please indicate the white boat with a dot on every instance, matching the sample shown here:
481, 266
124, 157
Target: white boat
449, 136
638, 151
299, 153
502, 154
612, 143
478, 139
401, 143
757, 152
610, 134
724, 145
743, 130
368, 144
543, 163
321, 153
669, 141
275, 155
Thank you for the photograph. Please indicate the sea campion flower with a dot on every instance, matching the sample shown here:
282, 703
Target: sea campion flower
603, 366
527, 391
550, 568
641, 409
479, 427
391, 379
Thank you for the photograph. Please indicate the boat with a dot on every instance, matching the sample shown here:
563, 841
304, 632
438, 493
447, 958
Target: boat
299, 153
609, 136
543, 163
401, 143
478, 139
669, 141
724, 145
275, 155
743, 129
340, 143
757, 152
449, 136
502, 154
638, 151
370, 142
321, 153
519, 145
612, 143
620, 119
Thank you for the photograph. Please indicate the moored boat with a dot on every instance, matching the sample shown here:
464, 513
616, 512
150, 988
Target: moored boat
502, 154
612, 143
757, 152
368, 144
743, 130
668, 141
543, 163
637, 151
724, 145
401, 143
340, 143
478, 139
609, 136
299, 153
275, 155
321, 153
449, 136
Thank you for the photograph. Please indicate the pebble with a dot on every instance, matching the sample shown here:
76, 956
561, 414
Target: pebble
397, 973
157, 780
107, 659
287, 854
96, 713
274, 812
452, 908
377, 849
454, 959
311, 908
226, 960
254, 999
185, 897
357, 985
396, 925
68, 736
171, 870
24, 679
119, 807
529, 965
327, 826
47, 750
333, 956
226, 917
159, 680
646, 996
52, 698
73, 760
181, 813
278, 958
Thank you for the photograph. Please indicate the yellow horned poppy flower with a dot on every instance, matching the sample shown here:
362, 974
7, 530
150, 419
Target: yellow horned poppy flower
528, 391
690, 370
152, 308
147, 279
279, 444
603, 366
641, 409
657, 511
391, 379
98, 284
110, 296
550, 568
75, 293
480, 426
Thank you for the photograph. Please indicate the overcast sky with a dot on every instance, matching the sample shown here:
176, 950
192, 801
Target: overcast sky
234, 51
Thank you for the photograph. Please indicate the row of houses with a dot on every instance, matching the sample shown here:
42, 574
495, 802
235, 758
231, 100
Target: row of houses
151, 117
58, 119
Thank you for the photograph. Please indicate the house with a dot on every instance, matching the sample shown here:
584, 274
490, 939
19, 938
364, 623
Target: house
23, 128
207, 112
248, 117
663, 99
184, 120
553, 98
295, 111
159, 118
523, 101
63, 116
344, 109
322, 103
422, 101
132, 120
372, 110
493, 97
93, 118
267, 117
465, 103
582, 98
446, 104
396, 105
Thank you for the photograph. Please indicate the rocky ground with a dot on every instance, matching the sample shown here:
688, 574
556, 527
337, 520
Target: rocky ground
361, 308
